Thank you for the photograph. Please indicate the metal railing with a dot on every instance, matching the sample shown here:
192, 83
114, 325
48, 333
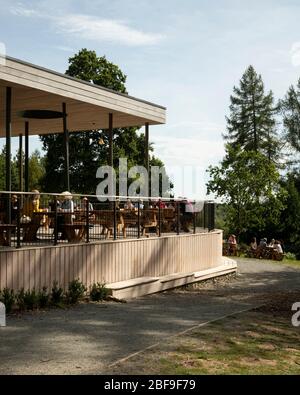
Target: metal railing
39, 219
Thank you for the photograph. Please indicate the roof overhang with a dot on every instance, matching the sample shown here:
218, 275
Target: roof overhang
88, 105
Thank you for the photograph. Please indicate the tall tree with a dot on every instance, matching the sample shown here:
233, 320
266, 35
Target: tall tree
248, 183
251, 123
290, 108
86, 154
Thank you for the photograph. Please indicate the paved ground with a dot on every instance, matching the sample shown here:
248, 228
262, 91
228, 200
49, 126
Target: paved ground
87, 339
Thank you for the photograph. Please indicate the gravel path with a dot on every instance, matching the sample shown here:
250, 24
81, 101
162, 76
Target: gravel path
87, 339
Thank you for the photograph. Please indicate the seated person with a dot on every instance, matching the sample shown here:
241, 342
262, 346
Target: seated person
272, 243
82, 204
253, 245
128, 205
278, 251
67, 206
14, 209
232, 245
261, 248
32, 205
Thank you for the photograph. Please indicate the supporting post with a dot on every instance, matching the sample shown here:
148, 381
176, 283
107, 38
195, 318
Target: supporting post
194, 217
21, 162
178, 218
26, 156
8, 151
147, 147
147, 158
115, 220
111, 136
55, 222
19, 203
66, 145
87, 220
139, 219
159, 218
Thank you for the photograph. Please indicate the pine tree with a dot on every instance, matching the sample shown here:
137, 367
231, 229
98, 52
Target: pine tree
251, 124
290, 108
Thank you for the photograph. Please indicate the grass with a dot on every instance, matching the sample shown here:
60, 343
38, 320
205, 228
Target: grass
286, 262
261, 341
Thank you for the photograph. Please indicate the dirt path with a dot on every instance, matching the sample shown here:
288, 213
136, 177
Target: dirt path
88, 338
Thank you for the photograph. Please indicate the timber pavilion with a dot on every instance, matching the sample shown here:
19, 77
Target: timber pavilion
136, 250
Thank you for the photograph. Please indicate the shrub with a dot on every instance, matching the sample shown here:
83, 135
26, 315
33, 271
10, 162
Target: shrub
57, 294
21, 299
76, 291
31, 299
98, 292
290, 256
43, 297
7, 297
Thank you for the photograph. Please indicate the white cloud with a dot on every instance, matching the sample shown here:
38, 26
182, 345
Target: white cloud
188, 151
63, 48
19, 10
98, 29
93, 28
295, 54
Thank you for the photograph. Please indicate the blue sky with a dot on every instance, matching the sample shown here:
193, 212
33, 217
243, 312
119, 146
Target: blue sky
186, 55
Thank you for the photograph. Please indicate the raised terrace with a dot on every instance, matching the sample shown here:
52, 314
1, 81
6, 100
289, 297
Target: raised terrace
149, 247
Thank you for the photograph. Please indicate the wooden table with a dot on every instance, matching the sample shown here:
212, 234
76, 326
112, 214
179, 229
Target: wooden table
5, 230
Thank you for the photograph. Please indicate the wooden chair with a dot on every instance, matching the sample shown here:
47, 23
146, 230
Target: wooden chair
5, 230
149, 220
168, 219
105, 218
130, 219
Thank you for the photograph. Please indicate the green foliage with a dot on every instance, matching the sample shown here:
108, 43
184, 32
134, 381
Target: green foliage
43, 297
251, 124
98, 292
290, 109
14, 172
21, 299
36, 170
76, 291
87, 66
249, 185
7, 297
31, 299
86, 155
57, 294
290, 256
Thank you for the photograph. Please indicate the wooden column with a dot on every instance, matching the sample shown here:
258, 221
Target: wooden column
8, 151
26, 156
66, 146
111, 137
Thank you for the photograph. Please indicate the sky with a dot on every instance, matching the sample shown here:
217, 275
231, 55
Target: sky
185, 55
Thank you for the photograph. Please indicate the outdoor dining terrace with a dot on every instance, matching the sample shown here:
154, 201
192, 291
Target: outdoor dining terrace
134, 245
41, 219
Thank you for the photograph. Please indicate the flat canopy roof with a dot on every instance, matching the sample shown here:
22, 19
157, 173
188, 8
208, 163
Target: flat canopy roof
88, 105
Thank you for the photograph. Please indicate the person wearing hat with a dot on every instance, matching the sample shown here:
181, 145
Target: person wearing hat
67, 206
